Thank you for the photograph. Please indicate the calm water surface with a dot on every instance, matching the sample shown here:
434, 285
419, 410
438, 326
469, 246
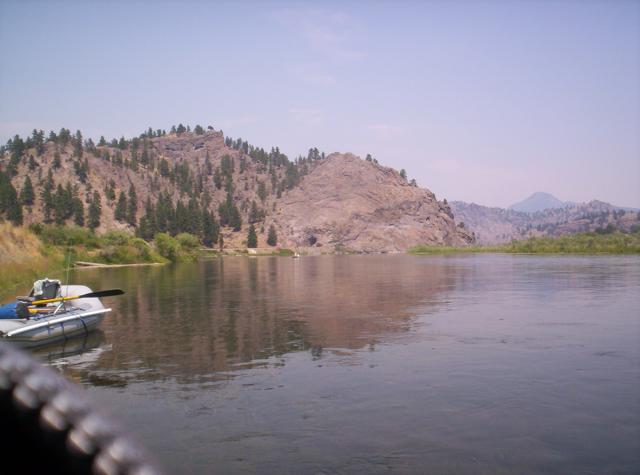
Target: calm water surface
372, 364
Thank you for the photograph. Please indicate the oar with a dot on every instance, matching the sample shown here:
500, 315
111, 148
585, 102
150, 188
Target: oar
99, 293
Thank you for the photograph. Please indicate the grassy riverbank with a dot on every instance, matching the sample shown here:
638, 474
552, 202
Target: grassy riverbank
584, 243
27, 254
24, 258
79, 244
30, 253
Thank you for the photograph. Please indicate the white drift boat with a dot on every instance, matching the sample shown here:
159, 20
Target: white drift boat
64, 315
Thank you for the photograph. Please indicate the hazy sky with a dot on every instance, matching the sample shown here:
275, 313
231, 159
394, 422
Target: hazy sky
479, 101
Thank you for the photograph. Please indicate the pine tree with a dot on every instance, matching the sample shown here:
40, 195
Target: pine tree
210, 228
17, 147
254, 214
132, 209
95, 211
262, 191
163, 214
227, 165
235, 220
81, 167
57, 162
78, 211
47, 197
32, 163
142, 230
403, 174
182, 218
59, 205
62, 204
223, 213
272, 238
207, 164
194, 225
252, 237
9, 202
38, 140
64, 136
217, 178
14, 212
150, 224
121, 208
133, 164
27, 195
163, 168
144, 157
110, 190
77, 145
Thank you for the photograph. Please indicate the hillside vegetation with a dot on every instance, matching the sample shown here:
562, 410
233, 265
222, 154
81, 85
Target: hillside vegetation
198, 182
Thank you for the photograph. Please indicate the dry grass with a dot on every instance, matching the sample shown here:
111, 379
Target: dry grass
23, 258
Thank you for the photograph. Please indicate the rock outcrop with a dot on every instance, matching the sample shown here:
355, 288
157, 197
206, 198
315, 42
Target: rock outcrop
346, 203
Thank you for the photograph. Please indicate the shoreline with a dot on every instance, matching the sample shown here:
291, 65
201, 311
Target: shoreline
95, 265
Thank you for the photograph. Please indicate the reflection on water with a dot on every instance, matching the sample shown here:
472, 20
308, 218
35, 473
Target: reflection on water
372, 364
60, 352
192, 320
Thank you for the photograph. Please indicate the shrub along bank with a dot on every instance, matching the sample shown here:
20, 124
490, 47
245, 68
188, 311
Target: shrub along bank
46, 250
583, 243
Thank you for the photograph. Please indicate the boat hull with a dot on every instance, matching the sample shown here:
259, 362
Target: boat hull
82, 317
54, 332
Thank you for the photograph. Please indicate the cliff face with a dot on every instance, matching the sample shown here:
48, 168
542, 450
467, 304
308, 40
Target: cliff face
346, 203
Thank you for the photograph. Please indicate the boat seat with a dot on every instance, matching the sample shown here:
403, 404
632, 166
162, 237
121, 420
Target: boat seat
45, 289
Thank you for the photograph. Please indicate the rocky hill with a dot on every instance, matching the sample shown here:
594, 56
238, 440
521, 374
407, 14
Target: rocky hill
498, 225
358, 205
215, 187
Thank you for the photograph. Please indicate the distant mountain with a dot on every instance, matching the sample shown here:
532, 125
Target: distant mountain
539, 201
498, 225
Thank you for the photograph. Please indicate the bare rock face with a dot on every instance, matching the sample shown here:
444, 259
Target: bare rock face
349, 204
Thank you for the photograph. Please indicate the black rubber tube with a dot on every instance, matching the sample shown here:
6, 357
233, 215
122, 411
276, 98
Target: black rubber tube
48, 425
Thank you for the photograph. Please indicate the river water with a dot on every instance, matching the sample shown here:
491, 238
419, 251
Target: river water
372, 364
